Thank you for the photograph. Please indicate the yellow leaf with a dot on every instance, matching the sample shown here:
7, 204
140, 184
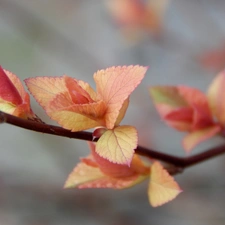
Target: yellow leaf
82, 174
162, 187
118, 145
7, 107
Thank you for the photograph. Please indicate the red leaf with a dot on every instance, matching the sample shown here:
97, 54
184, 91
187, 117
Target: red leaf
8, 91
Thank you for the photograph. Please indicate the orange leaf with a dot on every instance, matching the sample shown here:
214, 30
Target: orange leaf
118, 145
44, 89
82, 174
77, 93
198, 136
162, 187
122, 112
76, 117
76, 106
87, 174
61, 97
114, 85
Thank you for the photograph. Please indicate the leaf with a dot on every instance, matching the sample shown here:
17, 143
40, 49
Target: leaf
183, 108
216, 96
162, 187
198, 136
76, 117
13, 97
73, 121
44, 89
6, 107
8, 91
108, 182
118, 145
82, 174
62, 99
114, 85
18, 85
87, 175
122, 112
167, 95
180, 119
117, 170
77, 93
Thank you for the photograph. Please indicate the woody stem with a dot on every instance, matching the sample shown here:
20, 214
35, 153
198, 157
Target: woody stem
180, 162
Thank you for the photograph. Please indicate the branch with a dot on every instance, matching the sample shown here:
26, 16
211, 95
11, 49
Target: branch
180, 162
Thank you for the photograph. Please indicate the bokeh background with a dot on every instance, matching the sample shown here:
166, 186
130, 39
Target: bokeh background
181, 41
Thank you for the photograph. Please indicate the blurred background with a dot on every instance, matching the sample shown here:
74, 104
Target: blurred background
182, 42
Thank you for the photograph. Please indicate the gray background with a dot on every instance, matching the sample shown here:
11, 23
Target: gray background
52, 38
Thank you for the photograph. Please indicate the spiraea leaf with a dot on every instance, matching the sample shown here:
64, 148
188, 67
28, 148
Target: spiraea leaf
114, 85
162, 187
117, 145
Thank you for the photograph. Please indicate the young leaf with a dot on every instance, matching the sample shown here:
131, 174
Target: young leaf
44, 89
183, 108
117, 170
167, 95
114, 85
198, 136
76, 106
169, 101
62, 99
13, 98
85, 176
76, 117
118, 145
97, 172
82, 174
162, 187
8, 91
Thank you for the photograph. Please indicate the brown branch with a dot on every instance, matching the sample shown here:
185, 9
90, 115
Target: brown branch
180, 162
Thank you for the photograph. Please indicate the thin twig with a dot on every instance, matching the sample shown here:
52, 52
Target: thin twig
180, 162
